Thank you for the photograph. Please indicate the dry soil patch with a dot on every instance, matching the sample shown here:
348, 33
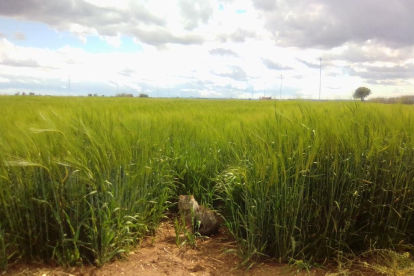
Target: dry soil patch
159, 255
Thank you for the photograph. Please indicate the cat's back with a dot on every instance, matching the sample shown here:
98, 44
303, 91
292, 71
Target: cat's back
209, 223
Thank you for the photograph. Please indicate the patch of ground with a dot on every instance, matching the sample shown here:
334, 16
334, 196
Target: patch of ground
160, 255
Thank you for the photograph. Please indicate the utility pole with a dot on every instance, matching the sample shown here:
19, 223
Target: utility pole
69, 85
280, 93
320, 77
264, 90
117, 88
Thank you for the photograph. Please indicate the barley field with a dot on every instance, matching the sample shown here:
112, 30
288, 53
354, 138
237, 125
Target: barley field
82, 180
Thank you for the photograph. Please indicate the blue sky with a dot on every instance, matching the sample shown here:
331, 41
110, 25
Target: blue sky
41, 35
207, 48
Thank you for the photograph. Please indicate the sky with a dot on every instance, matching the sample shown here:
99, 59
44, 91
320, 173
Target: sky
206, 48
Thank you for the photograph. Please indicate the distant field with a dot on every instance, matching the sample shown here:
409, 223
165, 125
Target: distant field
83, 179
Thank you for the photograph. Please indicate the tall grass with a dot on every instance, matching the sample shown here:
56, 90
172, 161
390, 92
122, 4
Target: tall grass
82, 180
322, 181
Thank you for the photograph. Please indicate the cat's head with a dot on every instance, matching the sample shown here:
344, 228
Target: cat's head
185, 201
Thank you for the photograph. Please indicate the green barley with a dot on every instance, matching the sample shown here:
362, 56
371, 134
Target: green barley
82, 180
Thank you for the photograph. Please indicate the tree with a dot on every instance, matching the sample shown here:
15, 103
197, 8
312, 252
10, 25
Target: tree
361, 93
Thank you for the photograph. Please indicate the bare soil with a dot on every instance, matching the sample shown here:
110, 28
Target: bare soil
159, 255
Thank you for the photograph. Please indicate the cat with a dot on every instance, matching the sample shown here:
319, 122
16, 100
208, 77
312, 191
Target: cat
205, 221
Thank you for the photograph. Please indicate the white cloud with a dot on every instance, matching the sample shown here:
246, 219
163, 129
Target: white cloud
114, 41
209, 93
196, 48
4, 80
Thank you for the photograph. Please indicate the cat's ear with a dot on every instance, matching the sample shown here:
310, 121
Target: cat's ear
182, 197
191, 197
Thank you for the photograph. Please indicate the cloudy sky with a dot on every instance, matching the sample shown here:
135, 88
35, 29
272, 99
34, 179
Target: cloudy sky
207, 48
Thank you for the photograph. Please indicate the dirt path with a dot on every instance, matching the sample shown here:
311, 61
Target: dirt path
159, 255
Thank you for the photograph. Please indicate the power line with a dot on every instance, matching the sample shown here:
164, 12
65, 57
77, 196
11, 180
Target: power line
280, 93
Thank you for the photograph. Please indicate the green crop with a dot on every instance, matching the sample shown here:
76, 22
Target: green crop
83, 179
